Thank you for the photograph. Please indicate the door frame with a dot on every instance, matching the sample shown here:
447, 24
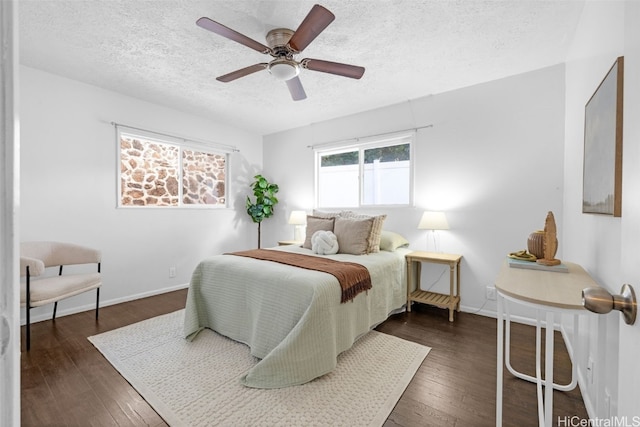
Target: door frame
9, 229
629, 335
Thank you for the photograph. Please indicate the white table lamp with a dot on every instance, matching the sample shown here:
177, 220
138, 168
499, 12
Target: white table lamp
433, 221
299, 220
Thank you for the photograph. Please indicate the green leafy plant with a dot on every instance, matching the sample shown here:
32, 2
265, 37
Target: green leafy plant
263, 206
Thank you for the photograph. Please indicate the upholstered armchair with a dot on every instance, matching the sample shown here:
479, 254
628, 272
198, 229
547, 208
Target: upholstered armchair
36, 257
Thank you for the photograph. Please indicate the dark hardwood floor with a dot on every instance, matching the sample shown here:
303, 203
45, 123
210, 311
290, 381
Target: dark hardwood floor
67, 382
456, 385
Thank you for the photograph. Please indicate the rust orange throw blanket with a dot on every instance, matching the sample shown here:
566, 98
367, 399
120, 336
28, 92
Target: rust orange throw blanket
354, 278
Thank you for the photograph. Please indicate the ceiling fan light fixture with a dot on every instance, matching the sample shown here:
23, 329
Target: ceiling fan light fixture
284, 69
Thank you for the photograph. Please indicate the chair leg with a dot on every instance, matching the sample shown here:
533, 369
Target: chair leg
55, 308
97, 301
28, 326
98, 295
28, 305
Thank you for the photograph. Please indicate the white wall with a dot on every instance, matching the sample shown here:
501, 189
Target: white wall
68, 188
492, 160
598, 242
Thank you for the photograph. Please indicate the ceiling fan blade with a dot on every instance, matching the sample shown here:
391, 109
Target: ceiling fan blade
313, 24
296, 89
216, 27
345, 70
242, 72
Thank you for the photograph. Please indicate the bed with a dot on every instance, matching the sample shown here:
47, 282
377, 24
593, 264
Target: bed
291, 318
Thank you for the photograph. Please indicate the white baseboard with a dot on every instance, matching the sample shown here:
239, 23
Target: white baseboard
582, 380
92, 306
479, 311
586, 398
492, 313
517, 319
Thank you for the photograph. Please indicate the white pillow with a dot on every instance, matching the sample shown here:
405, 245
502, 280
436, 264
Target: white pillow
390, 241
324, 243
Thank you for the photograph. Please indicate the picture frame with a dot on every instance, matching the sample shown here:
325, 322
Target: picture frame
602, 168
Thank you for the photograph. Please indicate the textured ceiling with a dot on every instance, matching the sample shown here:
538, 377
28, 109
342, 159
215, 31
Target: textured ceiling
152, 50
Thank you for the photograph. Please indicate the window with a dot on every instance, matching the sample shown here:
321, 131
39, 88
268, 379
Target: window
162, 173
373, 173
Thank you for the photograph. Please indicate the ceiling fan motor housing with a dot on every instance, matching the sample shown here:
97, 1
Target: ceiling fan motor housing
284, 67
279, 38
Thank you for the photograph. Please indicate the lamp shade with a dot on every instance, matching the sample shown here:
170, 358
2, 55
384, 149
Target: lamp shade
298, 218
433, 221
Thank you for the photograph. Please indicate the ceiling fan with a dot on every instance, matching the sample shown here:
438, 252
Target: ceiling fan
283, 45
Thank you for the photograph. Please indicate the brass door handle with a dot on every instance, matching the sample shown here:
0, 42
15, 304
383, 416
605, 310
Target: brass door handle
599, 300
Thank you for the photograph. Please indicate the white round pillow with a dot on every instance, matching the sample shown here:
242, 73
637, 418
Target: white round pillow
324, 243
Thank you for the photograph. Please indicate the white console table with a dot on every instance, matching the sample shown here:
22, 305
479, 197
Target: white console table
549, 293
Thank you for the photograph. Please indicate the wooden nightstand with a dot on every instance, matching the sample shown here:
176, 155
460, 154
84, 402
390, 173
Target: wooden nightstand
414, 267
289, 242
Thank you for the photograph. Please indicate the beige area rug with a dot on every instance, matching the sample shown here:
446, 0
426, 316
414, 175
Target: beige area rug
197, 383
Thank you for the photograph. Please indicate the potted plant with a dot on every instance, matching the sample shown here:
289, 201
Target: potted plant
265, 202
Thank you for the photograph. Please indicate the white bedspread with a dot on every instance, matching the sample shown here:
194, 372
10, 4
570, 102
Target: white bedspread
290, 317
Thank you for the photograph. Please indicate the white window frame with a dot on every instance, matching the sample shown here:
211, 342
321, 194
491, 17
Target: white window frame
181, 144
361, 145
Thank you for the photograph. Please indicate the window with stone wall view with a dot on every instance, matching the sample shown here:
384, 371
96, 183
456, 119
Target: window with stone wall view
204, 178
158, 173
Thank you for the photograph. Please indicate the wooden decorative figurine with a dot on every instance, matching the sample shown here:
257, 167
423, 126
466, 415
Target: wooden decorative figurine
550, 242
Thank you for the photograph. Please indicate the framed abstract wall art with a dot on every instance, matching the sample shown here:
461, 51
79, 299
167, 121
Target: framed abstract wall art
602, 173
